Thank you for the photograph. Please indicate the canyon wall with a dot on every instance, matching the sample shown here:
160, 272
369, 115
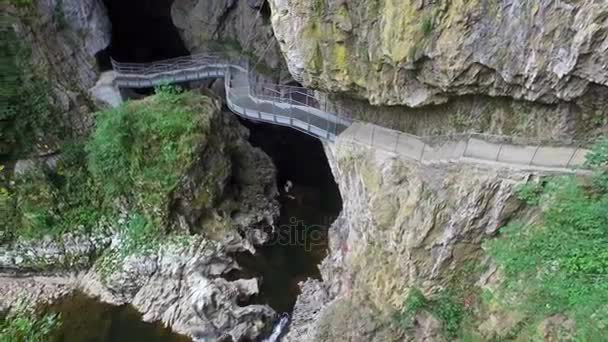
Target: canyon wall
236, 26
55, 44
531, 59
404, 226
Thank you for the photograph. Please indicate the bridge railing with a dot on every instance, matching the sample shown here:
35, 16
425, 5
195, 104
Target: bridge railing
282, 113
565, 154
176, 64
307, 110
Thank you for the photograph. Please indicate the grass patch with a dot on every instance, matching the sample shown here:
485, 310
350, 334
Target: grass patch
560, 265
51, 202
24, 326
445, 306
140, 150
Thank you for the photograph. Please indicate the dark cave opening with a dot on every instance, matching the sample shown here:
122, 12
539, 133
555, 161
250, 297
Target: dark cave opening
308, 208
143, 31
266, 12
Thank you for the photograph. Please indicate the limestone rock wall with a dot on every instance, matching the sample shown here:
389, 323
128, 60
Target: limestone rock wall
183, 285
421, 52
403, 226
62, 39
237, 25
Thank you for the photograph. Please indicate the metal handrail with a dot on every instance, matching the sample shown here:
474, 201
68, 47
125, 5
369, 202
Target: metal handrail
300, 97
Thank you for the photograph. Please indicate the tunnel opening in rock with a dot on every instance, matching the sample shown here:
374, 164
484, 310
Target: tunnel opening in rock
143, 31
103, 60
265, 11
310, 203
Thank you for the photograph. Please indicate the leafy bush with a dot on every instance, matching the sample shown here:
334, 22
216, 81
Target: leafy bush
561, 264
140, 150
44, 202
443, 306
529, 192
23, 326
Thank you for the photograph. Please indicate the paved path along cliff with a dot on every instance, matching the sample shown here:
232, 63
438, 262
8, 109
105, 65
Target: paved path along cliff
300, 108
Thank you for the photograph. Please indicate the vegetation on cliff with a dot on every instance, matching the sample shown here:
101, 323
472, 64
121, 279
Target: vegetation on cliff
26, 111
134, 159
24, 326
559, 265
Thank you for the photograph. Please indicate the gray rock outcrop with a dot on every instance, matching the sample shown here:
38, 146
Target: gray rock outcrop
420, 52
236, 25
404, 225
182, 285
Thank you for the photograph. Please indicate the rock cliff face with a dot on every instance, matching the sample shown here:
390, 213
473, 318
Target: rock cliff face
184, 285
421, 52
223, 202
549, 55
239, 25
62, 40
403, 226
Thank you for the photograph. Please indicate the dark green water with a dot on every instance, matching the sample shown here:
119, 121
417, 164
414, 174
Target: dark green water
85, 319
307, 212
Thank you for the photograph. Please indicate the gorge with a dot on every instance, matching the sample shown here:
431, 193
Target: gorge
461, 194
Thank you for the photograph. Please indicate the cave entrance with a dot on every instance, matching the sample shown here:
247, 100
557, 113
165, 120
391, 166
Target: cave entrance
310, 203
143, 31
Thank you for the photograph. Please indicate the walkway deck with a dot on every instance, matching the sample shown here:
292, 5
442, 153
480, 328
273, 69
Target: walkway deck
299, 108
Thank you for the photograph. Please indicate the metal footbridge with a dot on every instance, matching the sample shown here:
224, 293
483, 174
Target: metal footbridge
301, 109
295, 107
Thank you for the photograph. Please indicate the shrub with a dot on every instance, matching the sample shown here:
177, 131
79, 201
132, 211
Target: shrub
443, 306
23, 326
529, 192
560, 265
140, 150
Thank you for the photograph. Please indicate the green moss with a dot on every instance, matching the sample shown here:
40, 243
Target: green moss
445, 306
53, 202
371, 178
559, 264
316, 61
140, 150
26, 114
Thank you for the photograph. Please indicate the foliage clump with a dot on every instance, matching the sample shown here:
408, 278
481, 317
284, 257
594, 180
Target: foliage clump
444, 306
23, 326
560, 265
51, 202
139, 151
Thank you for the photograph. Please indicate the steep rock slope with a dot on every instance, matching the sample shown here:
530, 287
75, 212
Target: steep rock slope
404, 226
164, 249
237, 25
